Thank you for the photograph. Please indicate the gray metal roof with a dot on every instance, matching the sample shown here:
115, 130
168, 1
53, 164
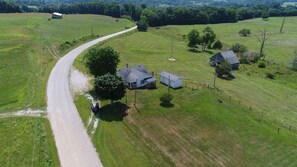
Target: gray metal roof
230, 56
57, 14
131, 74
173, 77
153, 79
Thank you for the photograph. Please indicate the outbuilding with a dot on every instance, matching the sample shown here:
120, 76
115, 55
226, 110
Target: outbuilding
57, 15
228, 56
170, 79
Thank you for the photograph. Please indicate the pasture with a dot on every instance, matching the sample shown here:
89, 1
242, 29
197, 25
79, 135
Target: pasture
29, 49
250, 127
17, 143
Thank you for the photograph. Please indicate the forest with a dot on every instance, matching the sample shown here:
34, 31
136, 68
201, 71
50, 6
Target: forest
163, 15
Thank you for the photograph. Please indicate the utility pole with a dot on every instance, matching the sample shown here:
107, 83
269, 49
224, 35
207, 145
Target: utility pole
214, 80
135, 97
171, 48
169, 86
126, 99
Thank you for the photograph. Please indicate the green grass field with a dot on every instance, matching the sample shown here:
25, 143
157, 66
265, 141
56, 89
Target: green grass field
199, 131
17, 142
29, 49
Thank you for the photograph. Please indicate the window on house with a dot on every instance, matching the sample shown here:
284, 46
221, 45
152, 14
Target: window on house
142, 82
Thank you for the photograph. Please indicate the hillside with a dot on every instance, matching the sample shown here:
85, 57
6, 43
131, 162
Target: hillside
29, 49
254, 125
151, 2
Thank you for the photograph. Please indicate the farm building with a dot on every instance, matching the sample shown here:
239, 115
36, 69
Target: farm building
57, 15
137, 77
170, 79
228, 56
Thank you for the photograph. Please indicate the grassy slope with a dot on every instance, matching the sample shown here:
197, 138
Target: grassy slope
198, 130
273, 97
24, 69
23, 62
17, 141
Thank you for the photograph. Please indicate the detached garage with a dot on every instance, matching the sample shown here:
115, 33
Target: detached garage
170, 79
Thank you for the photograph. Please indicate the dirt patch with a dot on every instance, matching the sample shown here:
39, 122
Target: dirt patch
27, 113
79, 82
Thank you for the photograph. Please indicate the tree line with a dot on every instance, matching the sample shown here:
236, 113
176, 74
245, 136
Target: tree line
7, 7
159, 16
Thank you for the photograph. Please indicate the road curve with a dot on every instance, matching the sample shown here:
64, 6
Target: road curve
75, 148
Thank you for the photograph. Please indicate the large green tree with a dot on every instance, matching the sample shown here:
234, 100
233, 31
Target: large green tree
152, 17
208, 38
193, 38
100, 61
142, 25
109, 87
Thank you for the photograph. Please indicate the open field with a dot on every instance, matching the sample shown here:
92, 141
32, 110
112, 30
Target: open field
17, 142
29, 49
198, 130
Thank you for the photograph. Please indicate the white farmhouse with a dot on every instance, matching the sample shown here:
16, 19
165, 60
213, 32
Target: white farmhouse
170, 79
137, 77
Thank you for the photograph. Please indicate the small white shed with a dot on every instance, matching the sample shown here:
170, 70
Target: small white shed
57, 15
170, 79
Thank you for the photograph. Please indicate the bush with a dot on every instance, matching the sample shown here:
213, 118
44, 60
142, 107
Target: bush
244, 60
262, 65
270, 75
248, 57
217, 45
245, 32
239, 48
166, 98
142, 25
265, 15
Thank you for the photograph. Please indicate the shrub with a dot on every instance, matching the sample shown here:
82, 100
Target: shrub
217, 45
262, 65
245, 32
265, 15
244, 60
270, 75
142, 25
239, 48
248, 57
166, 98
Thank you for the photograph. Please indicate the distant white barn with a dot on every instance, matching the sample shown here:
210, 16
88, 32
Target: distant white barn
57, 15
170, 79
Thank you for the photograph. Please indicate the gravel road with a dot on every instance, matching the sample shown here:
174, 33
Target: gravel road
74, 146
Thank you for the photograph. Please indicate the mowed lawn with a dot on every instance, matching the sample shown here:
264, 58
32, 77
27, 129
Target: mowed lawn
199, 131
29, 49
